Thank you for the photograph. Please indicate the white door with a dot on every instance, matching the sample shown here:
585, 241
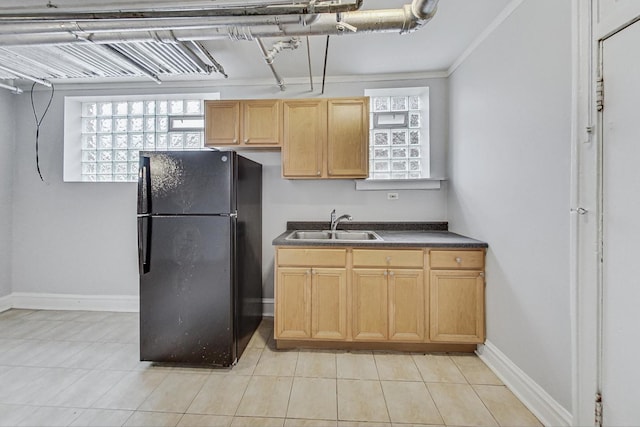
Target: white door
620, 352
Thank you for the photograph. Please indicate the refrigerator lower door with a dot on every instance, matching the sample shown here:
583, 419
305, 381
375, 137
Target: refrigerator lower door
187, 295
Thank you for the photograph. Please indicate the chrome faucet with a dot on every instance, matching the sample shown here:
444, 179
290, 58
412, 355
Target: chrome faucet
335, 221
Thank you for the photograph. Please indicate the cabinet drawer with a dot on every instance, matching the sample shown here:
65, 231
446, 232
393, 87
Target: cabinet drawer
457, 259
312, 257
387, 258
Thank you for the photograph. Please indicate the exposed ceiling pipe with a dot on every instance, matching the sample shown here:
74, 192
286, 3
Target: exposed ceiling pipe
25, 76
13, 89
133, 63
205, 52
404, 20
269, 62
115, 25
185, 9
269, 55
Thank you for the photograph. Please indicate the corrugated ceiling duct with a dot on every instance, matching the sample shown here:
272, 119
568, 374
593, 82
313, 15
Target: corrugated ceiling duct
165, 27
406, 19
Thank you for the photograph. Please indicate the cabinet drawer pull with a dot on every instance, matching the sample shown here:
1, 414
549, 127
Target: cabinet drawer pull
459, 260
388, 259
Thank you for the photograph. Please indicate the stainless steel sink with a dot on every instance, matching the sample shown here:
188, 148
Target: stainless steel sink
343, 235
309, 235
356, 235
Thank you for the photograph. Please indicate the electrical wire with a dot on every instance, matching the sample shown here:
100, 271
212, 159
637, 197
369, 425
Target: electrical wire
38, 123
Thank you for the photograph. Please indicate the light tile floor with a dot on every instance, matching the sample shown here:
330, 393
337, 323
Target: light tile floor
75, 368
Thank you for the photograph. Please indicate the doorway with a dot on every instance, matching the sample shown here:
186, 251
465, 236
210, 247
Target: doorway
619, 320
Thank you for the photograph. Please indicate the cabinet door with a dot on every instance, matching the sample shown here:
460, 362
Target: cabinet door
348, 138
329, 303
457, 306
222, 123
262, 122
293, 303
305, 130
370, 305
406, 305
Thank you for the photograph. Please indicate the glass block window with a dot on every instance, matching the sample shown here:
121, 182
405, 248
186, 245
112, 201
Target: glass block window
399, 133
104, 135
113, 133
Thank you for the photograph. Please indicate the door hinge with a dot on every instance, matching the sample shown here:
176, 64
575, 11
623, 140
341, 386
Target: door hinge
598, 413
600, 94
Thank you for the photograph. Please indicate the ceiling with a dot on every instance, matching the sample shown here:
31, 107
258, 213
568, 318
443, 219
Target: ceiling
432, 48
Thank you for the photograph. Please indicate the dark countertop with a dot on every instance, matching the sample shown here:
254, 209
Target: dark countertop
401, 234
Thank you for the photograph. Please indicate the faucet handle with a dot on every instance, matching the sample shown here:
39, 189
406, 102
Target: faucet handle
333, 216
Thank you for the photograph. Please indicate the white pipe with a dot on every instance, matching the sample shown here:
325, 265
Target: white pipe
186, 9
13, 89
269, 62
26, 76
409, 18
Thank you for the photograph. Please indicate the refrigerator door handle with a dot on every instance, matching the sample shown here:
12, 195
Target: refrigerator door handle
144, 186
144, 244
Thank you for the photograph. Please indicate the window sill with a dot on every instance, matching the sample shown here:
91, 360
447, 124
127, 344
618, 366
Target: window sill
399, 184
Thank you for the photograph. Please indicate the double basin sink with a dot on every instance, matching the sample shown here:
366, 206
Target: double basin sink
343, 235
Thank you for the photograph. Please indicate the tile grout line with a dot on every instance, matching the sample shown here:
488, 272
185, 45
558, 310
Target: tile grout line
384, 397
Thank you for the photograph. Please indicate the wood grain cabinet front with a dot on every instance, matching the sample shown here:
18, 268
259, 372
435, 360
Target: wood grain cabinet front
311, 294
244, 123
383, 297
326, 138
456, 285
388, 296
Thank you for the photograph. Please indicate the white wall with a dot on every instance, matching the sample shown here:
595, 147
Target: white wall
7, 127
509, 160
80, 238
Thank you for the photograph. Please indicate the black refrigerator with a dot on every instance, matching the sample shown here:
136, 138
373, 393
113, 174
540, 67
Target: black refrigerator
200, 256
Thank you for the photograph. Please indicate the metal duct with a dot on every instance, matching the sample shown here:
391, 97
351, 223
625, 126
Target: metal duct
166, 40
404, 20
185, 9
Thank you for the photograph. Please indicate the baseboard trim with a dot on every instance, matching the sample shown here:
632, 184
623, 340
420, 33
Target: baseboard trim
267, 307
5, 303
123, 303
38, 301
539, 402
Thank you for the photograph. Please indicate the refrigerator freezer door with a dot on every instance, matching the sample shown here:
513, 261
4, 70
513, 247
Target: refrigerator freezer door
187, 182
186, 297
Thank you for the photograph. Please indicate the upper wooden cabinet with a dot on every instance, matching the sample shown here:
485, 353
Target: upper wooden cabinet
326, 138
244, 123
305, 133
348, 138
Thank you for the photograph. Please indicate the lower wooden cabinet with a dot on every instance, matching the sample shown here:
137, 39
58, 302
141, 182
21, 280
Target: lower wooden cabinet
406, 305
293, 306
388, 305
457, 306
379, 295
370, 305
329, 303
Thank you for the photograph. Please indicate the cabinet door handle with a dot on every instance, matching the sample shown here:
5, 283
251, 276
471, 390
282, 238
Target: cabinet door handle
481, 274
318, 173
308, 271
391, 273
459, 260
246, 140
385, 274
235, 141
